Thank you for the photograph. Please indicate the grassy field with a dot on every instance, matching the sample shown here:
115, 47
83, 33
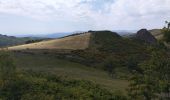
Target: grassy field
52, 64
71, 42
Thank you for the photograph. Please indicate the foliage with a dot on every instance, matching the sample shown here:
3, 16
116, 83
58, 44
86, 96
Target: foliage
154, 81
30, 85
37, 86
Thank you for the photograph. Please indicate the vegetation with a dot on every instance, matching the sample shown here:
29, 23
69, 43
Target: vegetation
51, 63
99, 72
31, 85
154, 80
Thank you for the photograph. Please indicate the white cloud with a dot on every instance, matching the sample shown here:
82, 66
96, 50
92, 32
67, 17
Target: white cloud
116, 14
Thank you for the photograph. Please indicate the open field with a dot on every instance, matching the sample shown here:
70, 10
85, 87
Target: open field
59, 67
72, 42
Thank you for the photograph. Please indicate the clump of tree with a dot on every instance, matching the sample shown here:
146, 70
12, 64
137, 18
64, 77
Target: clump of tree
154, 80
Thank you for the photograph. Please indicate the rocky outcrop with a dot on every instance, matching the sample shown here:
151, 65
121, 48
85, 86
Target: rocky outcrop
146, 36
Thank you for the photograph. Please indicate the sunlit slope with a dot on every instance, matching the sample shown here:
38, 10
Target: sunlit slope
71, 42
157, 33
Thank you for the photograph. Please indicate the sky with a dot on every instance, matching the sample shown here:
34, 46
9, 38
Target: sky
53, 16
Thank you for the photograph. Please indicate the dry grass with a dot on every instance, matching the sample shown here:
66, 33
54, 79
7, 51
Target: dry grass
72, 42
157, 33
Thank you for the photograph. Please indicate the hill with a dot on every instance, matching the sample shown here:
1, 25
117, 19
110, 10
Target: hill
11, 40
104, 50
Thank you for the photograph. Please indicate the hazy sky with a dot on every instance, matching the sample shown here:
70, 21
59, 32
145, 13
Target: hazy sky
50, 16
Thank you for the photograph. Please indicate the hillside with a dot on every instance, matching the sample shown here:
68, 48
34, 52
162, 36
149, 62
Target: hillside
156, 33
11, 40
70, 42
96, 49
